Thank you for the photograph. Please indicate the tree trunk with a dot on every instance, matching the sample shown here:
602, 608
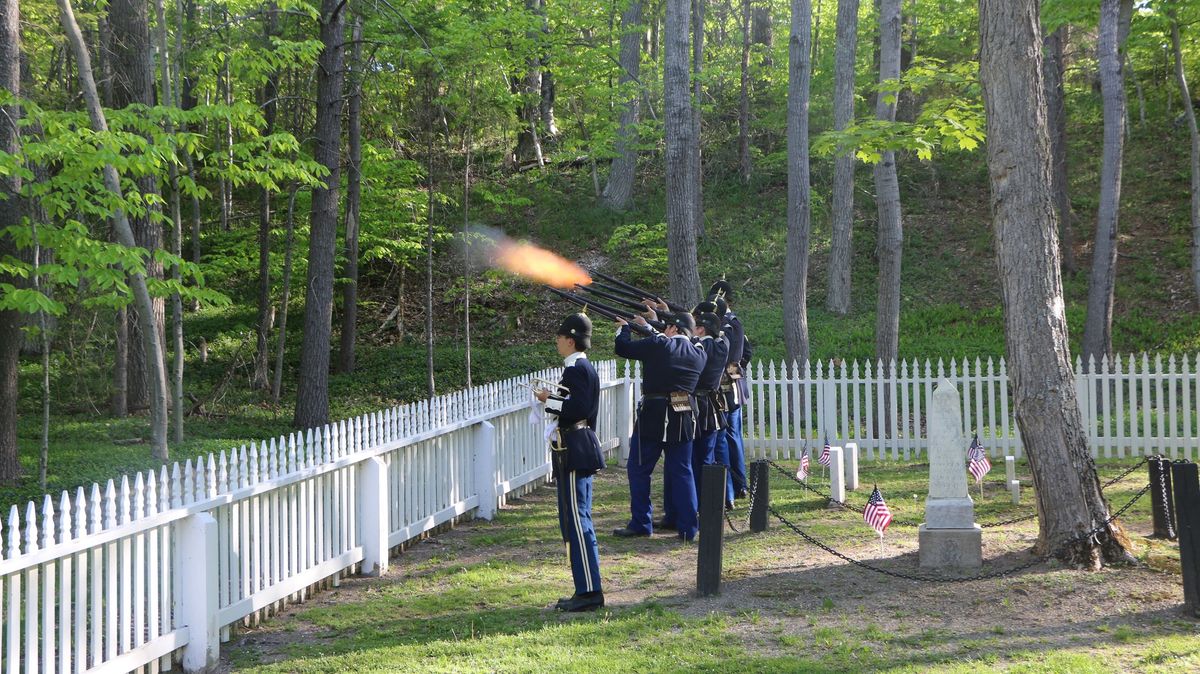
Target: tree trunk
1097, 330
745, 163
1070, 501
1054, 69
133, 82
1190, 114
429, 381
618, 192
529, 143
353, 199
262, 348
762, 33
155, 366
285, 296
176, 231
842, 216
10, 216
681, 199
312, 388
887, 196
119, 401
697, 170
795, 275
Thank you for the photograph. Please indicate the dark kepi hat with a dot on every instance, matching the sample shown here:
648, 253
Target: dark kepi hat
683, 321
710, 323
721, 288
579, 328
713, 304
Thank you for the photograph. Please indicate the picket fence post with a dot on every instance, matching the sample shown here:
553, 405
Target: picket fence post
373, 515
485, 469
197, 607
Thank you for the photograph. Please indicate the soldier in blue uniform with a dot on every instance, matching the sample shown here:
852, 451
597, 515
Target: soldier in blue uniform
736, 390
666, 421
576, 456
710, 419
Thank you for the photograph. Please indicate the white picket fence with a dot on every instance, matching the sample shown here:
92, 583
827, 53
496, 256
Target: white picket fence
148, 572
1134, 406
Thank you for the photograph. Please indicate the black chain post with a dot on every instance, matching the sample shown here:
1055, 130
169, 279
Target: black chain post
712, 530
760, 496
1160, 502
1186, 481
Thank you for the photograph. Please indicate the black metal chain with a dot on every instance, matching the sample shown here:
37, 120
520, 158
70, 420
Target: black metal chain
1163, 467
729, 521
939, 579
902, 523
753, 492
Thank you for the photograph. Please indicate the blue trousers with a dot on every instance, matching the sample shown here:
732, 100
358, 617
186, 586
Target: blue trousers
730, 451
703, 454
677, 481
575, 521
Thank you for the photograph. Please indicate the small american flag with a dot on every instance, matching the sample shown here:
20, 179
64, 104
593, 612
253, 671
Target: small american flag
876, 514
978, 464
802, 471
824, 458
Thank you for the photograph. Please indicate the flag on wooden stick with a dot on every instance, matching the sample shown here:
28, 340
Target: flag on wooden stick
978, 464
802, 471
876, 514
824, 458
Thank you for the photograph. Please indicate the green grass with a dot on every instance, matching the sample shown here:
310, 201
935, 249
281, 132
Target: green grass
480, 602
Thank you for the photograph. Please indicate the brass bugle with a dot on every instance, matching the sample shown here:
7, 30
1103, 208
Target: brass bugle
548, 386
606, 311
632, 288
637, 306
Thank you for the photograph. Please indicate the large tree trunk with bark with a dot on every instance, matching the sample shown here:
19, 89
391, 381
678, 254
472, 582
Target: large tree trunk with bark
154, 363
133, 82
353, 199
681, 200
1097, 330
270, 108
1190, 114
795, 274
745, 163
165, 64
842, 216
618, 192
1053, 71
697, 170
530, 136
10, 216
887, 196
312, 392
1070, 502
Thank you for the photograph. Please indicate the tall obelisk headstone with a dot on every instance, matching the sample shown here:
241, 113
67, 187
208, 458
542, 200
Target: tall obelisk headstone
949, 537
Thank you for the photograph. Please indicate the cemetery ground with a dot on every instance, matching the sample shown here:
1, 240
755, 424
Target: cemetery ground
480, 597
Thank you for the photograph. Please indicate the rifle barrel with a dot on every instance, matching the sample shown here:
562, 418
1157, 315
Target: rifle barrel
614, 298
632, 288
606, 311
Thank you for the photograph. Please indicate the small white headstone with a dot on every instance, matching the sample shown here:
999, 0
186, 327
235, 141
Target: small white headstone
1014, 486
837, 475
1010, 468
851, 456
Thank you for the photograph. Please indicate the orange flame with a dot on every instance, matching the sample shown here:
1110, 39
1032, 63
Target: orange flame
538, 264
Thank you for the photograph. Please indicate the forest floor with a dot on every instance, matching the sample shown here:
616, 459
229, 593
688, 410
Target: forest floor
480, 598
